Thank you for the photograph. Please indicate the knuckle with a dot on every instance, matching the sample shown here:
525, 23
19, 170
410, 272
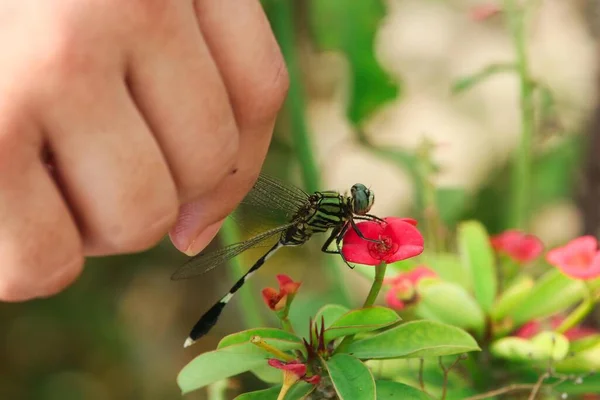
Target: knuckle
267, 94
63, 58
142, 231
146, 14
21, 287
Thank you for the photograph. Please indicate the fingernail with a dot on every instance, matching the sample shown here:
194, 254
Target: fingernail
191, 234
203, 239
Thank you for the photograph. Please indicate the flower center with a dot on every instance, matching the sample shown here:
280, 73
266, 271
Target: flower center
384, 248
581, 261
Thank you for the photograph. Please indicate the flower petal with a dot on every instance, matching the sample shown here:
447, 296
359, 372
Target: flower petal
296, 367
392, 300
271, 297
287, 285
359, 253
518, 245
406, 236
369, 229
420, 272
582, 246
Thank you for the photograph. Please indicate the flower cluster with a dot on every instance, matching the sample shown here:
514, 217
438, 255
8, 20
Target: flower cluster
403, 289
532, 328
578, 259
294, 370
519, 246
277, 299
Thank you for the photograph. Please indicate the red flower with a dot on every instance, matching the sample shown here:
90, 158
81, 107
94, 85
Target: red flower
578, 259
532, 328
404, 286
276, 300
400, 239
484, 11
295, 368
518, 245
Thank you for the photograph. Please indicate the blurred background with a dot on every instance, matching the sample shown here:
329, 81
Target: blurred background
416, 99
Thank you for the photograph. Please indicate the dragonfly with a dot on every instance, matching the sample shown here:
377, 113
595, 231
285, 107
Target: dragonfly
303, 215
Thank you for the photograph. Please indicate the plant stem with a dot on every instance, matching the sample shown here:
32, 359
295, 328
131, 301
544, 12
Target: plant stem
521, 173
250, 312
421, 379
579, 313
283, 24
377, 282
259, 342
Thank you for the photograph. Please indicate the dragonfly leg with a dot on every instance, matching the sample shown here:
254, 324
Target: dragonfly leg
360, 235
337, 234
338, 240
334, 234
369, 217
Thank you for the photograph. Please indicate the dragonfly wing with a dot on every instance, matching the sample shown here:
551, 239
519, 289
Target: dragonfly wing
273, 200
205, 262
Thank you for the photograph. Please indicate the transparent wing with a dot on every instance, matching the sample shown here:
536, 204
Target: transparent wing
270, 201
205, 262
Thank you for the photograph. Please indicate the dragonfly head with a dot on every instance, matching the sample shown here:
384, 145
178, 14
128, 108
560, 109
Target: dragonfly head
362, 199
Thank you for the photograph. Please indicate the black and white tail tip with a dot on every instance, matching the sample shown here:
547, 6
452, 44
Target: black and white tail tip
210, 318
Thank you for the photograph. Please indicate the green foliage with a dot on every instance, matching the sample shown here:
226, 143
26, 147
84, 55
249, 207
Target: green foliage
542, 299
362, 320
298, 392
414, 339
350, 26
396, 390
546, 346
351, 378
477, 255
451, 304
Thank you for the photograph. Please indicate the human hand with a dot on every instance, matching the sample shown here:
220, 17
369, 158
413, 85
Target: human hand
144, 106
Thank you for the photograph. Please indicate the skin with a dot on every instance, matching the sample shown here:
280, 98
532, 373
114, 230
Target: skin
121, 121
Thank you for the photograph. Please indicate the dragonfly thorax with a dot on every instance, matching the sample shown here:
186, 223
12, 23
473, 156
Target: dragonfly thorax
362, 199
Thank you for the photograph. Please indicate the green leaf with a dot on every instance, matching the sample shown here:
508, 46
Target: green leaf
451, 203
361, 320
512, 297
350, 26
414, 339
585, 343
584, 361
351, 378
268, 374
220, 364
544, 346
330, 313
274, 337
465, 83
387, 390
476, 253
516, 349
555, 345
553, 293
451, 304
449, 268
297, 392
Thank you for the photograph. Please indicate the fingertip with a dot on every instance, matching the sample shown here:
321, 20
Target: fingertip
61, 279
190, 238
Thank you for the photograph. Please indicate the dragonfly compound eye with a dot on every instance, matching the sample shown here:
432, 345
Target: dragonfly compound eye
362, 199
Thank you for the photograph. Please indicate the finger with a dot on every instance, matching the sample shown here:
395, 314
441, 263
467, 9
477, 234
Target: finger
110, 167
242, 44
40, 248
177, 86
